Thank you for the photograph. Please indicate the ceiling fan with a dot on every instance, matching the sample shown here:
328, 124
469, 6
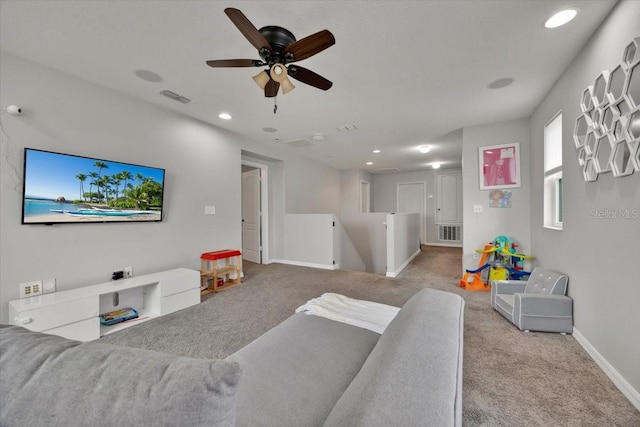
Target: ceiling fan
278, 50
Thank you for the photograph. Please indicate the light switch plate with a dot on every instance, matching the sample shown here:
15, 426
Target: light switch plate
477, 208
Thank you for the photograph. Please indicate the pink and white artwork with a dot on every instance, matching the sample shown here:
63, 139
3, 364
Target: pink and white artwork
499, 166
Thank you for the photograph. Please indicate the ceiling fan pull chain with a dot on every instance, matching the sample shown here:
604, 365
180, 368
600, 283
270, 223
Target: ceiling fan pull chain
275, 105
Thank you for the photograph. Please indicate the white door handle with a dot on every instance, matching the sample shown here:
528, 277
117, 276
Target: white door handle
24, 321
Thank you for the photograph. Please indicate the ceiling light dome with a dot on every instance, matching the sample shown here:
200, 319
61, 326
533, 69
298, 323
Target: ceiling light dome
424, 149
560, 18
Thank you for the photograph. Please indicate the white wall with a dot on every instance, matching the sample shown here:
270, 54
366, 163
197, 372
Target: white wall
309, 240
403, 241
481, 228
600, 256
203, 167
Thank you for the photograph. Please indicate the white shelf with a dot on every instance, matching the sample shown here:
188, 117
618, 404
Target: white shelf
74, 313
106, 330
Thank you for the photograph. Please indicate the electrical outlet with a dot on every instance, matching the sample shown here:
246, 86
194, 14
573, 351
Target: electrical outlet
48, 286
128, 272
30, 289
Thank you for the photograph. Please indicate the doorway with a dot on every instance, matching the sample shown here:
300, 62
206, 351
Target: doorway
254, 212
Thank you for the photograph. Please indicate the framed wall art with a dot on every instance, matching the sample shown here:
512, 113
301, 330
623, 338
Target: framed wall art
499, 166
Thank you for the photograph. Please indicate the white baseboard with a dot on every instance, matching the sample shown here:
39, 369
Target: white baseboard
446, 245
403, 266
623, 385
307, 264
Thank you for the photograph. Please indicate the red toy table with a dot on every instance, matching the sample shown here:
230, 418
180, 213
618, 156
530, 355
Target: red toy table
210, 270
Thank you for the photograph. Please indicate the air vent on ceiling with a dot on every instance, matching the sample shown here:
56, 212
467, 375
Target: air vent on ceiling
175, 96
300, 143
347, 128
387, 171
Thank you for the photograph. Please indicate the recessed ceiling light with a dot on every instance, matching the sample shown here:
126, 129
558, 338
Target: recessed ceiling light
560, 18
500, 83
369, 163
225, 116
435, 165
376, 151
424, 149
149, 76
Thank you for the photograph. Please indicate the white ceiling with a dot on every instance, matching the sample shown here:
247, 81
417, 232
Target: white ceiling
405, 73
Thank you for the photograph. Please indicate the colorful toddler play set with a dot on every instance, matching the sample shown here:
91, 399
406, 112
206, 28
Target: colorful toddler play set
500, 260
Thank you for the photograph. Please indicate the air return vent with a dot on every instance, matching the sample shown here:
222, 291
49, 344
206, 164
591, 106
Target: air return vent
300, 143
449, 233
386, 171
175, 96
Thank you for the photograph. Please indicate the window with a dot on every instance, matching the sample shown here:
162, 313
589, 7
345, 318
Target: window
553, 185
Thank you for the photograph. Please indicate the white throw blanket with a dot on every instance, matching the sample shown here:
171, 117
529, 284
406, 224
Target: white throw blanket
364, 314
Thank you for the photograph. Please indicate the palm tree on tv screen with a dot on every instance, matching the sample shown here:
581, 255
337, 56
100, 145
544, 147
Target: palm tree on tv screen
100, 165
82, 178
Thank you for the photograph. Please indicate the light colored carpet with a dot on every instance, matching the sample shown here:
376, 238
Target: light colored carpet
511, 378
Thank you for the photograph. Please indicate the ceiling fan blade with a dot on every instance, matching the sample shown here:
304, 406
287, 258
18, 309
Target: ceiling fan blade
309, 77
247, 29
235, 63
271, 89
310, 45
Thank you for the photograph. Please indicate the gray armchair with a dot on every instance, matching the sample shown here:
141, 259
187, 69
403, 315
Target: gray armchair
538, 304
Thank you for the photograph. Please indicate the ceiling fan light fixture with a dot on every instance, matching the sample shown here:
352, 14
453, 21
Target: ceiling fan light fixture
261, 79
287, 86
278, 72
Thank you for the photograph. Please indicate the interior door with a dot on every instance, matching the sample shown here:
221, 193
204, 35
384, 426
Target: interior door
449, 198
411, 198
251, 235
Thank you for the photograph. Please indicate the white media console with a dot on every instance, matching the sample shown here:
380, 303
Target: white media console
74, 313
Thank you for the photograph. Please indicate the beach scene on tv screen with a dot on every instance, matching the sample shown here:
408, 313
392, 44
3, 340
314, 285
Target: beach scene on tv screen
67, 188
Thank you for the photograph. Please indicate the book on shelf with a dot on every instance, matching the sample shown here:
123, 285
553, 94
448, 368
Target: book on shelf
118, 316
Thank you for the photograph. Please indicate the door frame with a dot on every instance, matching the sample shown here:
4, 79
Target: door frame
264, 206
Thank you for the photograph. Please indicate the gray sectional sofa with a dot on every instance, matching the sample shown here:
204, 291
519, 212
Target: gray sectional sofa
307, 371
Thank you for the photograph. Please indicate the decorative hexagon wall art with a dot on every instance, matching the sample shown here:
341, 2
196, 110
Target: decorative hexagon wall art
623, 107
590, 143
633, 125
589, 170
608, 118
599, 87
619, 127
586, 103
582, 156
632, 52
596, 115
580, 130
602, 155
607, 133
617, 80
621, 164
632, 85
636, 158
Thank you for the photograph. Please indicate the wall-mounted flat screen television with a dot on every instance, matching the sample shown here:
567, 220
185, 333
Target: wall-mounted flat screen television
63, 188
